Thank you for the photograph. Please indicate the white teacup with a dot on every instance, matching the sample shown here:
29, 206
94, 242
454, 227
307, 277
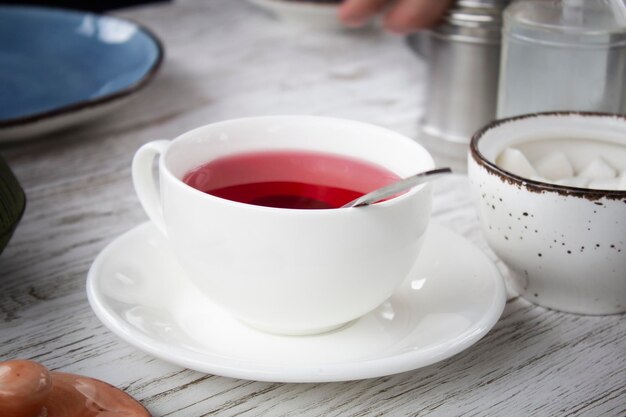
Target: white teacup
287, 271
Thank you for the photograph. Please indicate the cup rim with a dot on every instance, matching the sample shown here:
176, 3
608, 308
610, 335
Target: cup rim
391, 201
533, 185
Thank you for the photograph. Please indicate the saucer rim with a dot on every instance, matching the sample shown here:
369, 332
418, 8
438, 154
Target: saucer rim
216, 364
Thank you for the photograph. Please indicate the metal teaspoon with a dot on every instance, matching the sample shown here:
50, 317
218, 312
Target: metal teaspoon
396, 187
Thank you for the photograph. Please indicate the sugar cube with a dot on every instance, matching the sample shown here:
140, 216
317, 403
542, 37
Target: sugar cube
622, 181
598, 169
604, 184
555, 166
515, 162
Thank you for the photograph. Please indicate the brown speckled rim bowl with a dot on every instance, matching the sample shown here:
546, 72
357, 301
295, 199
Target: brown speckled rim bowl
564, 247
537, 186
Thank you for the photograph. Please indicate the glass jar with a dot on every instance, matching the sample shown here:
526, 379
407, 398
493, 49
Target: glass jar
563, 55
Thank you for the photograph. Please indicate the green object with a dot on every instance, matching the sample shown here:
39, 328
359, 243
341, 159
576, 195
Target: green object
12, 203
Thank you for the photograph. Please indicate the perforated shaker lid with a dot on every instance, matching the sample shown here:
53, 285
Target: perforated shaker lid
474, 21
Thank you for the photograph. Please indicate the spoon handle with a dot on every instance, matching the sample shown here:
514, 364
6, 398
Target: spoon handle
396, 187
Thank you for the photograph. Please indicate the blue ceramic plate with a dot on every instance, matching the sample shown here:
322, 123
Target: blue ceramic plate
60, 67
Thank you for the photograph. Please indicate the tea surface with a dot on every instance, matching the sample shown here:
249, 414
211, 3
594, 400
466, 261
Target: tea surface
289, 179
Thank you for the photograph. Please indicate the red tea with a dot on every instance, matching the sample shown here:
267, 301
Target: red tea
289, 179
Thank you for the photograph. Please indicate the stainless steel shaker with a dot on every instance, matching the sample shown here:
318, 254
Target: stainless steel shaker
463, 57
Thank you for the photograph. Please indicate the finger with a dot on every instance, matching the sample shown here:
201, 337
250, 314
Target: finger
358, 12
410, 15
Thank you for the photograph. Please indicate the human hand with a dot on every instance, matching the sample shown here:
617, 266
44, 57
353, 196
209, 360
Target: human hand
400, 16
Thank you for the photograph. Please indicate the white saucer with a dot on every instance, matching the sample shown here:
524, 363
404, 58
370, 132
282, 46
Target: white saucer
454, 298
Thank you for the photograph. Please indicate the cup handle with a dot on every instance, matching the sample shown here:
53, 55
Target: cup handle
145, 182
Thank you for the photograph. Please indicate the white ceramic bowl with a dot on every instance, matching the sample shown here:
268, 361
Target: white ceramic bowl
565, 247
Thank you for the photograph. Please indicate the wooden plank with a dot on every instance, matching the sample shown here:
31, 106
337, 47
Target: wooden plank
225, 59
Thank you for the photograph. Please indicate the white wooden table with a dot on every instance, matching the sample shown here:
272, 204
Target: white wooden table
226, 59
